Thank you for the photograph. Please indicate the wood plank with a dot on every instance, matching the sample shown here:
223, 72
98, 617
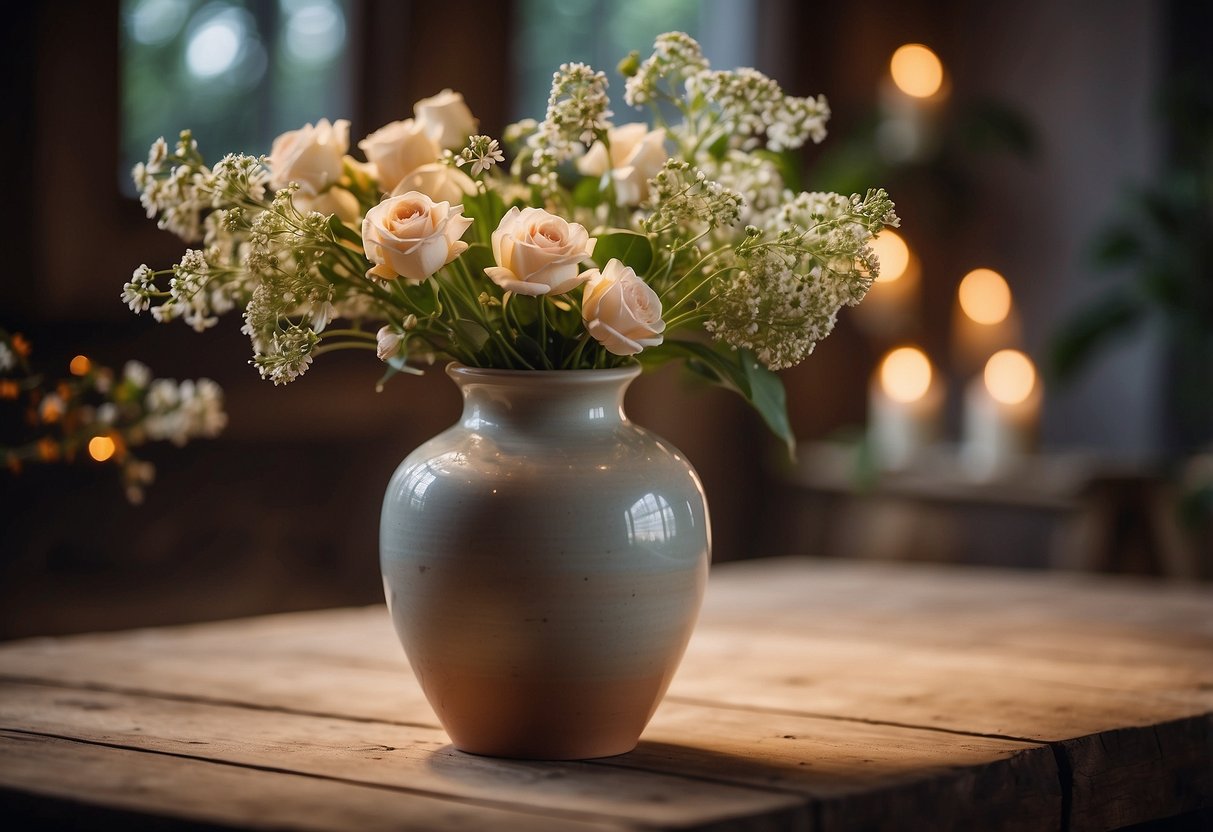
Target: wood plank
61, 783
412, 759
861, 776
1039, 657
1134, 775
860, 771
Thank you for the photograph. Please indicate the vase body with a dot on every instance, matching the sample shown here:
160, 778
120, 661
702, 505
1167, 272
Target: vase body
544, 561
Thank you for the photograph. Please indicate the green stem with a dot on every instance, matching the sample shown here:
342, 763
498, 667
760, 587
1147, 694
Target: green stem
343, 345
351, 333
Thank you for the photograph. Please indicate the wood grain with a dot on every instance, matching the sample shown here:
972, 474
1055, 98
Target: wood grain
70, 777
817, 695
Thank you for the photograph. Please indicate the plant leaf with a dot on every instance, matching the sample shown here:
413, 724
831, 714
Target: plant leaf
739, 371
632, 249
1090, 328
341, 231
769, 398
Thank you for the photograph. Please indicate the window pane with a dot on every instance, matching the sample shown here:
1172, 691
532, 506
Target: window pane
235, 72
601, 32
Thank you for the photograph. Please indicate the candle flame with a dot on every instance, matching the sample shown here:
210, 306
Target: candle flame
1010, 376
905, 374
894, 256
985, 296
916, 70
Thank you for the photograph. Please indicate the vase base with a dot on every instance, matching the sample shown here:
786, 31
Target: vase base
552, 753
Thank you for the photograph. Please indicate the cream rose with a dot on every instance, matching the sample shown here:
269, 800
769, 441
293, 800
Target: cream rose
337, 201
446, 118
411, 236
310, 156
621, 311
538, 253
636, 155
398, 149
441, 183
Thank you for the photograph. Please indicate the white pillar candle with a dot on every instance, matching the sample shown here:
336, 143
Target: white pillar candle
1002, 412
905, 401
890, 309
983, 320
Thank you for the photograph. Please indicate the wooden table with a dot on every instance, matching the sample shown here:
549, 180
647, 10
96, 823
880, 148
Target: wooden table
815, 695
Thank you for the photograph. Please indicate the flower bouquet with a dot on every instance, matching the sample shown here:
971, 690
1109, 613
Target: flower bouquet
544, 558
600, 245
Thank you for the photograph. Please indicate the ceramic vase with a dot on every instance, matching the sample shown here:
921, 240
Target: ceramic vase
544, 560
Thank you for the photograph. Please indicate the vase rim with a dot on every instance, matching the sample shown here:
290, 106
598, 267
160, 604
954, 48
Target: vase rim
462, 372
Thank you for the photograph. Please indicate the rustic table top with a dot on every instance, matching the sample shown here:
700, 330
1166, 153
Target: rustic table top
815, 695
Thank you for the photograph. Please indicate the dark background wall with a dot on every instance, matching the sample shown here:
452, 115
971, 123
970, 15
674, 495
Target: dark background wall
282, 511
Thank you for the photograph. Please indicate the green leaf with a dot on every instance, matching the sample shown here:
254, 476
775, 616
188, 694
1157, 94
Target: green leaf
397, 364
588, 192
1089, 329
341, 231
1116, 246
486, 211
739, 371
632, 249
471, 333
769, 398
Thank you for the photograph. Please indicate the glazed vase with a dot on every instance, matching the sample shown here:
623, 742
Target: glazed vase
544, 561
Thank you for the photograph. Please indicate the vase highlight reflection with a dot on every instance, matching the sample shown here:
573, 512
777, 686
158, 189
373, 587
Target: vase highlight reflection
544, 561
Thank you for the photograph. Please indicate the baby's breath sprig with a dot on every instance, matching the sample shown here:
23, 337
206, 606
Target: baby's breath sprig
97, 414
482, 152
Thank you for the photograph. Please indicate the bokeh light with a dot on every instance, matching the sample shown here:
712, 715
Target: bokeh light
315, 31
215, 46
985, 296
80, 365
1010, 376
916, 70
905, 374
894, 256
101, 448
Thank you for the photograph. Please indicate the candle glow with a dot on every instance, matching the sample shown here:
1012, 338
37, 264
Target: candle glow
1010, 376
905, 374
894, 256
985, 296
916, 70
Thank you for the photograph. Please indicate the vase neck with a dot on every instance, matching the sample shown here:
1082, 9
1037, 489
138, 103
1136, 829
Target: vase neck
551, 401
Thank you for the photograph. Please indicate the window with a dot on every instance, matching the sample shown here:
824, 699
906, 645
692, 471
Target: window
236, 73
602, 32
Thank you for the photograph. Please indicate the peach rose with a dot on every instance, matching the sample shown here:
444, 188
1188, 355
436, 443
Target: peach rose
337, 201
620, 310
398, 149
636, 155
310, 156
446, 118
411, 236
538, 253
441, 183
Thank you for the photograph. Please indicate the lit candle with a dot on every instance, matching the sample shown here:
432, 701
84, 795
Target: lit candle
1002, 411
904, 402
912, 92
889, 310
984, 320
